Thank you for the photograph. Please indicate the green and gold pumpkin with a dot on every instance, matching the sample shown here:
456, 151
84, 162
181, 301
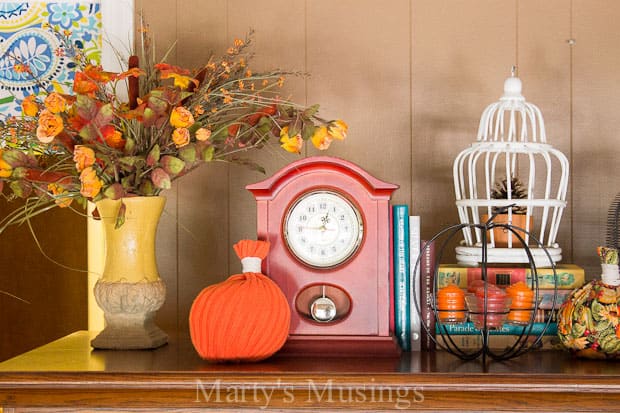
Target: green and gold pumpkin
588, 322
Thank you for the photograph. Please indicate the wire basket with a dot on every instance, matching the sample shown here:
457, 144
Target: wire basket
484, 314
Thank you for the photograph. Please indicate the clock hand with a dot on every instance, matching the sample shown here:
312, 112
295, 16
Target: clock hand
321, 228
324, 222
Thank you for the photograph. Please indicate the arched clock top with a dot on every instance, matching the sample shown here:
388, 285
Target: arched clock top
271, 186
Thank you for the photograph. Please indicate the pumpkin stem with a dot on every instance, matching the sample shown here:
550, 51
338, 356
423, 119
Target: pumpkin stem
251, 248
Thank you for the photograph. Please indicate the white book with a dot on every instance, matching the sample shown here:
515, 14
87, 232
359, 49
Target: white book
414, 253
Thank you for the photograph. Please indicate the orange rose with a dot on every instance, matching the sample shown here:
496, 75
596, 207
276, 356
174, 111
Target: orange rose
30, 106
321, 139
50, 125
338, 129
83, 85
181, 117
180, 137
113, 137
97, 74
289, 144
83, 157
5, 169
203, 134
91, 184
55, 103
181, 81
58, 192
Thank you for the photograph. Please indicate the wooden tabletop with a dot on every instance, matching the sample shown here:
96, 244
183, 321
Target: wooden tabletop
68, 373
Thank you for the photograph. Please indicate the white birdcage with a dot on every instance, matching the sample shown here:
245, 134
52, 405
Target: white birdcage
511, 146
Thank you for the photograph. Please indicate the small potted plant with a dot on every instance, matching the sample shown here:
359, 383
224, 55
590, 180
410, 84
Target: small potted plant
511, 192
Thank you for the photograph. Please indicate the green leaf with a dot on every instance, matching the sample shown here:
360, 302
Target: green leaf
15, 158
292, 131
86, 107
597, 309
130, 145
207, 153
106, 114
88, 132
192, 129
161, 179
153, 156
172, 165
146, 187
21, 189
188, 153
185, 94
114, 191
149, 116
120, 217
601, 326
157, 104
308, 131
219, 135
578, 330
127, 181
129, 160
19, 173
311, 111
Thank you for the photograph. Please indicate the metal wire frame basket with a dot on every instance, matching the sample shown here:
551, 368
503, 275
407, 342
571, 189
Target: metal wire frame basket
521, 343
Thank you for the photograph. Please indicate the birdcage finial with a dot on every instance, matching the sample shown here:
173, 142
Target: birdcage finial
513, 86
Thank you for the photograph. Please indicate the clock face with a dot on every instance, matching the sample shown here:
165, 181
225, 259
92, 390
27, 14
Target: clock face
323, 229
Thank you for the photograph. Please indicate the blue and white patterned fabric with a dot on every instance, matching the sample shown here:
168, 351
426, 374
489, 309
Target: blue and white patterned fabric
25, 40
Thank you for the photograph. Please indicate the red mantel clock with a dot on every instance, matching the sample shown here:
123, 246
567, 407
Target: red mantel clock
328, 224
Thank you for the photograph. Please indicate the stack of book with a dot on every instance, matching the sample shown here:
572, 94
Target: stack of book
550, 298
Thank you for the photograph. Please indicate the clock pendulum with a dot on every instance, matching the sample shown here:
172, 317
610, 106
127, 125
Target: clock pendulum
323, 309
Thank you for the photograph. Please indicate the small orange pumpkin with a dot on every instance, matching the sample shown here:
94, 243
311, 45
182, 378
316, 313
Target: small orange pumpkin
246, 317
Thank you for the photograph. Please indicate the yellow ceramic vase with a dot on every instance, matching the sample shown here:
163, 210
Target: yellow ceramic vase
130, 290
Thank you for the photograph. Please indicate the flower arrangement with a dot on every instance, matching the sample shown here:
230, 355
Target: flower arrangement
115, 135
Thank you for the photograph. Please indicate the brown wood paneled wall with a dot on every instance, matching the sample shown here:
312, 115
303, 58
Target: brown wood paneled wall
52, 297
411, 77
411, 80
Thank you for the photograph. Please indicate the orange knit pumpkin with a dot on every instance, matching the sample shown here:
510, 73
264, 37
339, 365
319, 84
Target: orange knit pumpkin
246, 317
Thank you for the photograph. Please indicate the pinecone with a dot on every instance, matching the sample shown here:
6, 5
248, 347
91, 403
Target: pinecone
517, 191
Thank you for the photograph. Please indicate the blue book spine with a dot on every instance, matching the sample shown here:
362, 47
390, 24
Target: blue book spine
402, 283
507, 329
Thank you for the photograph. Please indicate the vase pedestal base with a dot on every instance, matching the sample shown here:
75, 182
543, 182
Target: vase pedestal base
123, 334
129, 310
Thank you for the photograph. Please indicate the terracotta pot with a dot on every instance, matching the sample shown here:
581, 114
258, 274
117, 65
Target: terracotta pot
130, 290
501, 235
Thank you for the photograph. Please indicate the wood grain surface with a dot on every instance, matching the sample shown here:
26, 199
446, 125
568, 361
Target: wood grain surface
67, 374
